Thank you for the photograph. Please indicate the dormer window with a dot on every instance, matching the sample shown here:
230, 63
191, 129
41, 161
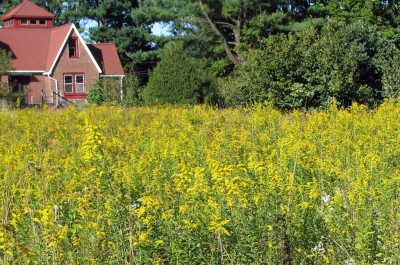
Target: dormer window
73, 48
28, 15
32, 22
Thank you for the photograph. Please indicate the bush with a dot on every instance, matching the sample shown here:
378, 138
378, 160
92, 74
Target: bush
178, 79
132, 91
391, 79
5, 61
108, 90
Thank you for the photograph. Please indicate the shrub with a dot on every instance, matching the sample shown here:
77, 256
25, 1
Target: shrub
132, 91
106, 90
177, 79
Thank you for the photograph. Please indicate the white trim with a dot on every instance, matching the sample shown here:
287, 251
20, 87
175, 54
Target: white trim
73, 27
57, 92
25, 72
112, 75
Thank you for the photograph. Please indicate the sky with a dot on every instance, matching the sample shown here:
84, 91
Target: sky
158, 29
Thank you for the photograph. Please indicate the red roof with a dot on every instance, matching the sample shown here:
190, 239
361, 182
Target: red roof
55, 41
33, 49
107, 57
27, 46
38, 49
27, 9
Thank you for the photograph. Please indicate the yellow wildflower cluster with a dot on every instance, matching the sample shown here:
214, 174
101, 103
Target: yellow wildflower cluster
196, 185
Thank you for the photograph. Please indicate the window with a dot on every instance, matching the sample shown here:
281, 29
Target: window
74, 83
80, 83
73, 48
32, 21
42, 21
24, 22
9, 23
68, 84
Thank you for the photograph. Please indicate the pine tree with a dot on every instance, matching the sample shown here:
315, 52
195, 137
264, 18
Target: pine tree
176, 79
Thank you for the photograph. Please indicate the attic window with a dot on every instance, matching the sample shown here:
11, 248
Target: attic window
73, 48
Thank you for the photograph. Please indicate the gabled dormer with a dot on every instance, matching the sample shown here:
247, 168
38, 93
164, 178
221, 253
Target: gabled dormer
28, 15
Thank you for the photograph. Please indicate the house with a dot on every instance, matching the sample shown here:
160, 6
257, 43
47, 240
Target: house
52, 63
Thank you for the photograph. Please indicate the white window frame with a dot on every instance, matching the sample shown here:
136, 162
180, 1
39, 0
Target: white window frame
70, 84
81, 85
75, 86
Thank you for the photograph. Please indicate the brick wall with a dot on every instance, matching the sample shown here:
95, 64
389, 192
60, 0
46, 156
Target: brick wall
82, 65
4, 82
65, 65
38, 83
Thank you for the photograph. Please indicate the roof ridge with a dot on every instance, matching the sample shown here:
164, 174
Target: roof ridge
62, 26
18, 7
16, 10
53, 57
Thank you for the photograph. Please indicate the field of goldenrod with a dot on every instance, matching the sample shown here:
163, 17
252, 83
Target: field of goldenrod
195, 185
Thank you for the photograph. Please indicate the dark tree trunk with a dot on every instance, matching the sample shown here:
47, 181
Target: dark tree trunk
224, 41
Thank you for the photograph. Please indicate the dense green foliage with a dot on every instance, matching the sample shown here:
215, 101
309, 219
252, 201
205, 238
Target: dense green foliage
5, 61
108, 90
5, 65
177, 79
311, 67
299, 54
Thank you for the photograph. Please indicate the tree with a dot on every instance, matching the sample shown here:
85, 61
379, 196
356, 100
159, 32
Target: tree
5, 65
5, 61
115, 24
63, 10
309, 68
384, 14
7, 5
177, 79
227, 19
